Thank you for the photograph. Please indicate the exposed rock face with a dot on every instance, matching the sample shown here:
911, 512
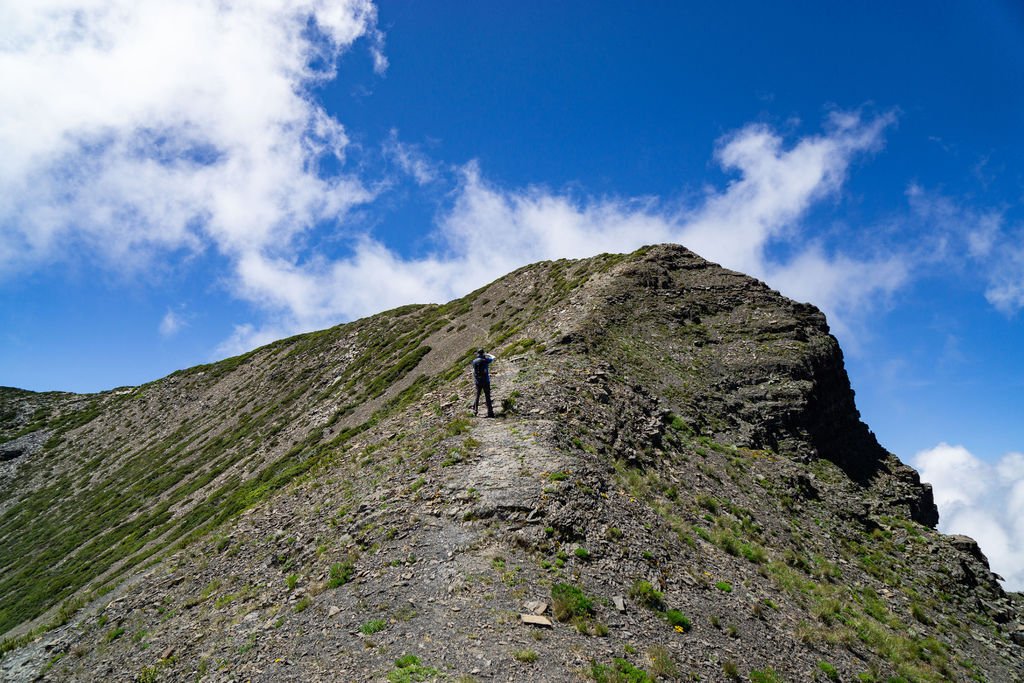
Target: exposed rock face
676, 442
23, 446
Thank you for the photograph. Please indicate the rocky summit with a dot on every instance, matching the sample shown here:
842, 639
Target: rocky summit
677, 486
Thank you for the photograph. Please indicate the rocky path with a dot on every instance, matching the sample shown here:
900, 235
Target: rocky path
507, 472
465, 598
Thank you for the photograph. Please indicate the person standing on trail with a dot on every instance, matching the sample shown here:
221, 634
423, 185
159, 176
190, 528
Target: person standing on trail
482, 377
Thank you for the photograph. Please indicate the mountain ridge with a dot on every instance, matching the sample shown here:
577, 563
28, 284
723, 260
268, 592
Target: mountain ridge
694, 410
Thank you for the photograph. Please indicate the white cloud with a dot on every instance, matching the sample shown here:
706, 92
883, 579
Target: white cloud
409, 159
134, 127
1006, 285
776, 186
962, 236
980, 500
171, 324
489, 231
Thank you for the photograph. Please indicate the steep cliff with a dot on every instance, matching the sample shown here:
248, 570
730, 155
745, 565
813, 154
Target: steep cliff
678, 474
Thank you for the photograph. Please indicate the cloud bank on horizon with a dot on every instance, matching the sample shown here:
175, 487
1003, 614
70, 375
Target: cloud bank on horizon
145, 132
981, 500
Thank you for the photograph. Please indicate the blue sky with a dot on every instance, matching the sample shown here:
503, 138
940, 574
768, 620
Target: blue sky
183, 183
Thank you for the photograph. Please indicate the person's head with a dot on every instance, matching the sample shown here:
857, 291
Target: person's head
481, 353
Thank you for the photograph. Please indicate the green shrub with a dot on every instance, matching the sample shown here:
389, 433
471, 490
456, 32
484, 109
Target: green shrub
459, 425
508, 405
341, 573
373, 626
677, 618
568, 601
644, 593
831, 673
753, 552
764, 676
727, 541
662, 665
528, 656
679, 424
724, 586
408, 669
917, 610
582, 553
225, 600
708, 503
621, 671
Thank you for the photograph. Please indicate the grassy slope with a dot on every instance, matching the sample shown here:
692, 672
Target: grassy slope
126, 478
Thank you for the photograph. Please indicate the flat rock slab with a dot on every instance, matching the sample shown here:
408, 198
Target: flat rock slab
536, 620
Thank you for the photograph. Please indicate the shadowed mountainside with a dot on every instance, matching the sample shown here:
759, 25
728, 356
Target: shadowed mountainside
674, 439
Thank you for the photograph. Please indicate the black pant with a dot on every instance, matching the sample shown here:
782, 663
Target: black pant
486, 389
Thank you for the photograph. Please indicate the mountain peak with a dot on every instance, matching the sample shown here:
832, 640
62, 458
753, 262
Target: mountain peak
678, 484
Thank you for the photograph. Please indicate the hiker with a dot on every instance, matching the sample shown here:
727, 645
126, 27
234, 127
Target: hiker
482, 377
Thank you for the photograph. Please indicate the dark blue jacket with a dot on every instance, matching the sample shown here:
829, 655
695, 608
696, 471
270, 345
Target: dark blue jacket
481, 371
